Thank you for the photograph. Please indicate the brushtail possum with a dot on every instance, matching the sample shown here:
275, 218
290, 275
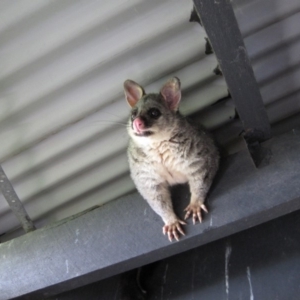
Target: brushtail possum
164, 150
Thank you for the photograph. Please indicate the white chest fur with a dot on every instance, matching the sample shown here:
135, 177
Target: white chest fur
167, 162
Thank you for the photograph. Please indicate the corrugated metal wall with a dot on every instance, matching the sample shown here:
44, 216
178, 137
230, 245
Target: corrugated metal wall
62, 110
272, 38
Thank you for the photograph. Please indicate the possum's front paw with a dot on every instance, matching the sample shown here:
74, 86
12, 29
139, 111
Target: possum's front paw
195, 208
173, 229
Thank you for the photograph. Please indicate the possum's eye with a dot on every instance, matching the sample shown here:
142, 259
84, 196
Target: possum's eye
133, 114
154, 113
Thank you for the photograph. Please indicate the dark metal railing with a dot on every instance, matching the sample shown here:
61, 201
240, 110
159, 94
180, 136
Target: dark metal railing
14, 202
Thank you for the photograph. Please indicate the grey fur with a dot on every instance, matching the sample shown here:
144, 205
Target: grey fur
168, 150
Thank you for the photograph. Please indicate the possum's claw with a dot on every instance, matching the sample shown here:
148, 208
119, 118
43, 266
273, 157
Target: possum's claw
195, 208
173, 229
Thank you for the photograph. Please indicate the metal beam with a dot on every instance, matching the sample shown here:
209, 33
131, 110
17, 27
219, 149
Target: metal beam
269, 253
218, 19
14, 202
126, 233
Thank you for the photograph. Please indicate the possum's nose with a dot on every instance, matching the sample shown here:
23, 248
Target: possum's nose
138, 125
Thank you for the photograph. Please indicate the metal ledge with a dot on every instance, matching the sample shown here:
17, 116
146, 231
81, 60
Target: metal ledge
126, 233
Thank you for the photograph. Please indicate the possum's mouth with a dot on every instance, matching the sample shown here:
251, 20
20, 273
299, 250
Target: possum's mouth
139, 128
144, 133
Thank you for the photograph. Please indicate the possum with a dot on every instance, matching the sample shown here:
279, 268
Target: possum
165, 149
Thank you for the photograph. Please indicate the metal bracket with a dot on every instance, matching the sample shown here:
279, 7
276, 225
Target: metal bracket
14, 202
220, 24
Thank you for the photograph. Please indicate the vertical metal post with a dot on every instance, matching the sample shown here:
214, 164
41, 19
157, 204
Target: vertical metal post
220, 24
14, 202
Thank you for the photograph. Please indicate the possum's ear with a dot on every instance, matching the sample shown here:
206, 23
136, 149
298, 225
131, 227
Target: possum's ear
133, 92
171, 93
